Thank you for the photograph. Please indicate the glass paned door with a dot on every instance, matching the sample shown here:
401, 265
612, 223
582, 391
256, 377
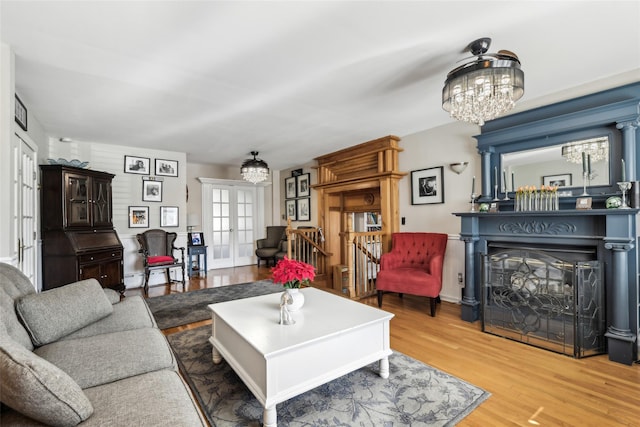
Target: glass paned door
232, 226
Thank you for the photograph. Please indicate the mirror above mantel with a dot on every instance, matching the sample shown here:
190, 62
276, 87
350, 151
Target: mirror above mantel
560, 164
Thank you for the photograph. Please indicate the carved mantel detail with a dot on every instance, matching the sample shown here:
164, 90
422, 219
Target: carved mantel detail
537, 227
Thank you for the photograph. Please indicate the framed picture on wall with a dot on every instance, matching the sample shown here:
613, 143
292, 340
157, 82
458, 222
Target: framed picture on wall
168, 216
151, 190
304, 190
139, 165
138, 216
290, 188
303, 209
290, 209
427, 186
166, 167
21, 114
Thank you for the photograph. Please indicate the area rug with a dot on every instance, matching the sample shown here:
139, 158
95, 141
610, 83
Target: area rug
414, 394
183, 308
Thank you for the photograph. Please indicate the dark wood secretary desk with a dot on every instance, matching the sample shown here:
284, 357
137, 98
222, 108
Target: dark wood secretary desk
78, 239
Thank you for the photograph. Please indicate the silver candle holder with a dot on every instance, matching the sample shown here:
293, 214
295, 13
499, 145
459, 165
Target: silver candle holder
624, 187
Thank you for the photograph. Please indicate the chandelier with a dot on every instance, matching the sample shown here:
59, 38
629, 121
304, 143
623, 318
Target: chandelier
597, 148
254, 170
484, 88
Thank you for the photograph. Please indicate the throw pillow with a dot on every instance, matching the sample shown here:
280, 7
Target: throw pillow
38, 389
52, 314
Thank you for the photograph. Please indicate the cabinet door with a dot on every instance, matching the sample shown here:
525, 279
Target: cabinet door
101, 202
111, 274
76, 201
90, 271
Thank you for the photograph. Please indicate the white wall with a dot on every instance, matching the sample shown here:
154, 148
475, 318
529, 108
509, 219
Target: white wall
439, 147
127, 191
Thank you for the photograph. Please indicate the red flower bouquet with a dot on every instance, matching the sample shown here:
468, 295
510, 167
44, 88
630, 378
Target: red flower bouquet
292, 273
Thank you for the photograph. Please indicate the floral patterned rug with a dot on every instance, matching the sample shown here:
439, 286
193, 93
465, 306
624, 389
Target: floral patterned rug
414, 394
183, 308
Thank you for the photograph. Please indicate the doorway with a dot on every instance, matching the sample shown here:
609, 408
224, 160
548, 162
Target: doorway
230, 215
25, 178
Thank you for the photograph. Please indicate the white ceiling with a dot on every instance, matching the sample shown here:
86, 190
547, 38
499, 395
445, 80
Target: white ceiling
293, 80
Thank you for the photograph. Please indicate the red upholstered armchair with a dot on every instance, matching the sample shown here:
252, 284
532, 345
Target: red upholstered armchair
414, 266
157, 249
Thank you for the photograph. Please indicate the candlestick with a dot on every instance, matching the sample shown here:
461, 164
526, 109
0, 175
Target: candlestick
589, 164
513, 182
473, 186
624, 176
584, 162
495, 175
504, 180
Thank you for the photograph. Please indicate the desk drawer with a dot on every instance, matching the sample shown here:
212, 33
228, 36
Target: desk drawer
100, 256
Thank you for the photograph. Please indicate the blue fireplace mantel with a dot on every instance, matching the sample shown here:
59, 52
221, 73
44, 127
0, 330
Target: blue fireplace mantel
613, 233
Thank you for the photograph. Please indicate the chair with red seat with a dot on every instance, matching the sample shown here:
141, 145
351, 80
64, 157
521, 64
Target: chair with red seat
157, 249
414, 266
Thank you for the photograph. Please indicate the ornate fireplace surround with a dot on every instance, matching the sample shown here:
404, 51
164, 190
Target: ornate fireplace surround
613, 233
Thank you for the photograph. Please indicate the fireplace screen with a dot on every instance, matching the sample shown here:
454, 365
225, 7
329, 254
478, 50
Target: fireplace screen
536, 298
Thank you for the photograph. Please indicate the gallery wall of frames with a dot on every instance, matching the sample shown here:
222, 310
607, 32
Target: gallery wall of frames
298, 196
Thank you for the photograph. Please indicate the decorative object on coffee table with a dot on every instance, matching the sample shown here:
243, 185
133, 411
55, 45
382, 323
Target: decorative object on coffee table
293, 274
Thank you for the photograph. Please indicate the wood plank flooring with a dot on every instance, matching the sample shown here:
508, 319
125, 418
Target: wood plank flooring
529, 386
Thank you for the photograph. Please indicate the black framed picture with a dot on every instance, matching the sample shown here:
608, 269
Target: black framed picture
169, 216
561, 180
427, 186
166, 167
21, 114
139, 165
138, 216
290, 209
303, 187
303, 209
290, 191
151, 190
196, 239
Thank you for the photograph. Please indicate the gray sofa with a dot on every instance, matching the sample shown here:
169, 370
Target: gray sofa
77, 355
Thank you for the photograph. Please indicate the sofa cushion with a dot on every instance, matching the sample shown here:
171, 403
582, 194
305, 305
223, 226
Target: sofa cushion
9, 319
55, 313
158, 398
130, 313
38, 389
105, 358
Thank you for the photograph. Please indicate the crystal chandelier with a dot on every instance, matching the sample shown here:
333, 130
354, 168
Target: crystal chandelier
254, 170
484, 88
597, 148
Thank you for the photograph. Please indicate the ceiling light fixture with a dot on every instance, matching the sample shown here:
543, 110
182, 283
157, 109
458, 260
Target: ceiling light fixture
484, 88
597, 148
254, 170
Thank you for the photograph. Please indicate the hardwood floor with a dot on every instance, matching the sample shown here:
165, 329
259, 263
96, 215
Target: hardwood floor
529, 386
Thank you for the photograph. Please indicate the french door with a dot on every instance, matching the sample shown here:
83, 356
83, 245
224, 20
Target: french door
229, 226
24, 177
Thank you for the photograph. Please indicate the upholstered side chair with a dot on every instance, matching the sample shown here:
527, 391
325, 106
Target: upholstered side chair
267, 248
413, 266
157, 248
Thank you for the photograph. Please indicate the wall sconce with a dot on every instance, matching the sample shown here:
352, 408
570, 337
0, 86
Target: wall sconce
459, 167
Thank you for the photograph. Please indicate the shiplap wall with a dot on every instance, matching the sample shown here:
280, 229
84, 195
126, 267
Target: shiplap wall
127, 191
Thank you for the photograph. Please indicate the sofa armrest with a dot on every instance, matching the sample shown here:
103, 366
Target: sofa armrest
436, 266
260, 243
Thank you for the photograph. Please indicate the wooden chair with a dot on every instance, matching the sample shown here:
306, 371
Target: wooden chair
414, 266
157, 249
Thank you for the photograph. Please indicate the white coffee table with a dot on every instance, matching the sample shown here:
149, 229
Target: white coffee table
332, 336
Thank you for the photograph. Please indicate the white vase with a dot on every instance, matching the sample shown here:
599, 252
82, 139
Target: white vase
297, 297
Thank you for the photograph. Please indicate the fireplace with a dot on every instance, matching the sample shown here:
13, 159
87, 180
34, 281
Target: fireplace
545, 297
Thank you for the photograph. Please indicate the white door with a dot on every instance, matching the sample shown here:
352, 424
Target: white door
229, 229
25, 178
